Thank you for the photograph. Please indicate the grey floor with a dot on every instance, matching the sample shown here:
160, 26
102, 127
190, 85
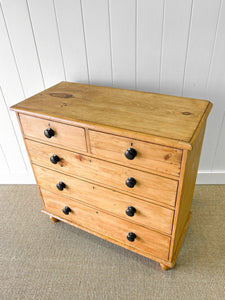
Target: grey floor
43, 260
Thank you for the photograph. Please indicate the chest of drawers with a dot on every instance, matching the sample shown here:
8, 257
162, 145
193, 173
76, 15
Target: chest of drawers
116, 163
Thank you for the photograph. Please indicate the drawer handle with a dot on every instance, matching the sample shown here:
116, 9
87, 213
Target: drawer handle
60, 186
66, 210
131, 236
130, 182
130, 153
131, 211
49, 133
54, 159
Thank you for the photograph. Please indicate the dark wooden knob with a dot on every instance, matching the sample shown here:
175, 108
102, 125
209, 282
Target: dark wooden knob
130, 182
131, 211
66, 210
131, 236
60, 186
130, 153
49, 133
54, 159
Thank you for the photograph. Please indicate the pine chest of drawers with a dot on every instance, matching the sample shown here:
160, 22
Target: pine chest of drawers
116, 163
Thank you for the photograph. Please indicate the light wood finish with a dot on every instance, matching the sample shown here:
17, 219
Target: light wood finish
94, 126
65, 135
19, 121
149, 156
107, 238
189, 179
146, 240
173, 258
147, 214
164, 267
161, 117
87, 140
148, 185
53, 219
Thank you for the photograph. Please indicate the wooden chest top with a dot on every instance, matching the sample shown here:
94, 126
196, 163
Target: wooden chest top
164, 119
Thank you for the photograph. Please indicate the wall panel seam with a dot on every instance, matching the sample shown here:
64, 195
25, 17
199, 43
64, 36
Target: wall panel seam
60, 45
136, 31
187, 47
110, 43
213, 49
5, 158
14, 57
161, 48
218, 141
35, 43
208, 80
85, 43
3, 97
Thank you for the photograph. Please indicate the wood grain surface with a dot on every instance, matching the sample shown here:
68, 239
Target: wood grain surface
149, 156
184, 203
65, 135
158, 115
149, 186
118, 229
147, 214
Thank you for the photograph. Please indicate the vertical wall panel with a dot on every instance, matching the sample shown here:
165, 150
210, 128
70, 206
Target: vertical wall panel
149, 36
215, 137
215, 93
210, 142
200, 47
11, 90
47, 39
71, 33
9, 79
9, 142
96, 26
174, 45
219, 162
123, 39
3, 163
17, 20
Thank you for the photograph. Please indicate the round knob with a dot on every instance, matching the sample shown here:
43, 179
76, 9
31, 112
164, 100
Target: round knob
49, 133
60, 186
131, 211
130, 153
66, 210
54, 159
131, 236
130, 182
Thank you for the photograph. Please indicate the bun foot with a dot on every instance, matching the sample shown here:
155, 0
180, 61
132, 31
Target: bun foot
164, 267
54, 220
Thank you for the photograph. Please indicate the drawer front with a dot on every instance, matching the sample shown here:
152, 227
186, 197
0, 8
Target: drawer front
147, 185
111, 226
149, 156
64, 135
146, 214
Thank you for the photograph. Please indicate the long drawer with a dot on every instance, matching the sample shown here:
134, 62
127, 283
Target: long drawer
146, 214
115, 228
136, 153
147, 185
64, 135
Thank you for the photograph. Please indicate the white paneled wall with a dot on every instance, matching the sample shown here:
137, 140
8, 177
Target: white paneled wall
165, 46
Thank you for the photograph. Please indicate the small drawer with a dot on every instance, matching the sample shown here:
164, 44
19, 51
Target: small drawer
149, 186
124, 206
139, 154
64, 135
140, 238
